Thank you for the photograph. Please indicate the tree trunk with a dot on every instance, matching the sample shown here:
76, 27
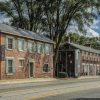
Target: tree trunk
55, 58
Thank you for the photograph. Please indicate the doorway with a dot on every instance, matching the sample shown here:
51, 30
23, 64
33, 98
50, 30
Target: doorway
31, 69
71, 63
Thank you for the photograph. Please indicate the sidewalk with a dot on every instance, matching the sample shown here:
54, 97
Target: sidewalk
33, 80
29, 80
88, 77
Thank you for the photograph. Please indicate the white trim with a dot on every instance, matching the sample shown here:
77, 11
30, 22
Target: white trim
31, 61
6, 42
21, 58
19, 62
18, 39
9, 57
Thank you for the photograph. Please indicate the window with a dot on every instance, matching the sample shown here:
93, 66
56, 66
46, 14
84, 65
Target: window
9, 66
47, 49
39, 48
46, 68
82, 53
21, 63
51, 49
35, 47
30, 46
21, 45
86, 53
10, 43
90, 54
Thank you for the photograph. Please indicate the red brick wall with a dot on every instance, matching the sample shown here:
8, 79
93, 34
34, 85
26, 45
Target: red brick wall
23, 72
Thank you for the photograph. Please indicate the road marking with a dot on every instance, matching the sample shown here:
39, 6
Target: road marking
59, 92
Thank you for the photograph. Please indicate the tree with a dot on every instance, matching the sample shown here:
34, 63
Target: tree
25, 14
60, 14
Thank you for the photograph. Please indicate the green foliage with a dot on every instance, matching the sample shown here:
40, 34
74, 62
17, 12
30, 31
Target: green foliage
94, 42
62, 75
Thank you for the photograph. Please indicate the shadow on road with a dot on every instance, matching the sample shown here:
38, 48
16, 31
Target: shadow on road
86, 99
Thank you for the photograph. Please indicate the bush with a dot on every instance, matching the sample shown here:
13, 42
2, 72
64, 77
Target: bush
62, 74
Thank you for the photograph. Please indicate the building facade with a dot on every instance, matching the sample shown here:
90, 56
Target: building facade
76, 60
24, 54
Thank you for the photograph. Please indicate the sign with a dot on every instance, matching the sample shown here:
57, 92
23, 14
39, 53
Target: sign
2, 52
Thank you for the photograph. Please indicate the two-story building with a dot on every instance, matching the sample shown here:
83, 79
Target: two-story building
77, 60
24, 54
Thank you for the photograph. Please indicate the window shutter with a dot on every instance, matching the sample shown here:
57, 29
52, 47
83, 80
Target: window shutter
6, 66
24, 45
14, 43
18, 45
13, 66
6, 44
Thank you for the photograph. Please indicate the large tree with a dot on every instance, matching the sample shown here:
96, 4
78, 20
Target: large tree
60, 14
55, 16
23, 13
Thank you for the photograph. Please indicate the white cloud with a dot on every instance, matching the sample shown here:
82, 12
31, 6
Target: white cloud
95, 24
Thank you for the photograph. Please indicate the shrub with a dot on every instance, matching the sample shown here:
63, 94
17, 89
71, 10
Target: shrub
62, 74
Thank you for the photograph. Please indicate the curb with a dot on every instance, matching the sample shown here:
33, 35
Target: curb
19, 81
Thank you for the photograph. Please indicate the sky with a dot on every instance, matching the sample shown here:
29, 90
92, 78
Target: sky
96, 25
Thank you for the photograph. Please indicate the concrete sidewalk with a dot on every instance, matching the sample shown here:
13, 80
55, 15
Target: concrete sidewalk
29, 80
33, 80
88, 77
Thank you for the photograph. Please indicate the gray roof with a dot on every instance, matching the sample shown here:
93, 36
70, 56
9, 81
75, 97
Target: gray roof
23, 33
89, 49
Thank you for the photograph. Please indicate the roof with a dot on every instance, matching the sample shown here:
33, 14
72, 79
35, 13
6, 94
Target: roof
23, 33
89, 49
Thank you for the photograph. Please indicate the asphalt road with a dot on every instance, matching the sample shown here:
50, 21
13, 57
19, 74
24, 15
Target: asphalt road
91, 94
48, 90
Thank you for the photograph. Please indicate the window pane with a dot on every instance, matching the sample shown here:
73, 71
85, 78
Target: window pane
46, 68
10, 66
30, 46
21, 44
47, 48
39, 48
21, 63
10, 43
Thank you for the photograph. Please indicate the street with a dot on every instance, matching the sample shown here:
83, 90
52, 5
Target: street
73, 89
92, 94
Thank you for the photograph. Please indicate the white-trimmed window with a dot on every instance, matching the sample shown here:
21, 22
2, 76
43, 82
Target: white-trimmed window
21, 62
9, 66
21, 44
51, 49
39, 48
82, 53
90, 54
46, 68
35, 47
47, 48
30, 46
9, 42
86, 53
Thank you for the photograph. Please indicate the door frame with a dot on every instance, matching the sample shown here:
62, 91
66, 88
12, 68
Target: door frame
33, 68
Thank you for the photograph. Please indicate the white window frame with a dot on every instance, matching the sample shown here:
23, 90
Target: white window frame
19, 61
32, 46
39, 50
19, 39
6, 65
47, 52
10, 37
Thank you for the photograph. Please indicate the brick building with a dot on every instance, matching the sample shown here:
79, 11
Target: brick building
77, 60
24, 54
